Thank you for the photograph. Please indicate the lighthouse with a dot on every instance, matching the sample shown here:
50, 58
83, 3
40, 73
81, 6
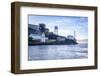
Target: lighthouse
56, 30
74, 34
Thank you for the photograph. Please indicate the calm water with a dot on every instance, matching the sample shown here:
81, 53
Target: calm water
52, 52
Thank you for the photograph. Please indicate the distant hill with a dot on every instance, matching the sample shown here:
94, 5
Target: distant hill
82, 41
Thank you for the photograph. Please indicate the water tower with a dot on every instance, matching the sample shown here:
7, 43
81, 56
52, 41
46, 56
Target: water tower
56, 30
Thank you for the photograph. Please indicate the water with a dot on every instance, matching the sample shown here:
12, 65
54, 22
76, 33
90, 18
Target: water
53, 52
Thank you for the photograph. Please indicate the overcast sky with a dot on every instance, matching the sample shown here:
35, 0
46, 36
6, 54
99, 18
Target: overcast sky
66, 24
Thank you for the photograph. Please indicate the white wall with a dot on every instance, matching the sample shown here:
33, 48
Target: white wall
5, 33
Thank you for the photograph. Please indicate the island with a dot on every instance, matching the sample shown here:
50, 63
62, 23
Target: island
40, 35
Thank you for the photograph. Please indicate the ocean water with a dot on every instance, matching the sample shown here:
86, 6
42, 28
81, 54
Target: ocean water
54, 52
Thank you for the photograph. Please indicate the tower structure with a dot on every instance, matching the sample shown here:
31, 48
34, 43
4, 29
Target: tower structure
56, 30
74, 34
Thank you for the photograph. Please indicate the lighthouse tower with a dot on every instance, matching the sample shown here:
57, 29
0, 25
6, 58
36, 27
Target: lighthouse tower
74, 34
56, 30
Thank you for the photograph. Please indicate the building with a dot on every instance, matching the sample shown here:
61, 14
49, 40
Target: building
60, 38
43, 37
37, 32
70, 37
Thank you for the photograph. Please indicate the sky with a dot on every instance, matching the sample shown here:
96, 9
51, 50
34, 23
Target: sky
66, 24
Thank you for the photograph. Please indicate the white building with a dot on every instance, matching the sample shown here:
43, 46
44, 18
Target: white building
35, 36
42, 37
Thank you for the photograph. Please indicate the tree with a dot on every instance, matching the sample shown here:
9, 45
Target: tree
42, 27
